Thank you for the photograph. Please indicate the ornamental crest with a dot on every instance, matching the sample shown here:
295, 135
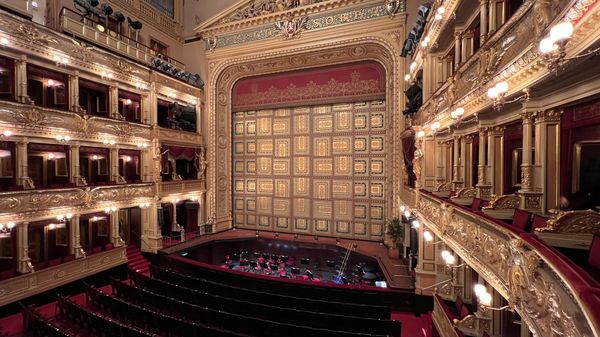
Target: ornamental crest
292, 27
392, 7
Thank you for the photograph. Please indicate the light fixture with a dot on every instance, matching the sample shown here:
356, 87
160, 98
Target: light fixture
95, 157
406, 214
402, 208
479, 289
407, 77
6, 134
142, 145
413, 66
144, 205
62, 138
553, 46
35, 4
100, 28
5, 229
108, 142
3, 41
421, 134
128, 158
51, 226
95, 218
424, 44
438, 17
428, 236
415, 224
441, 10
435, 126
51, 155
106, 75
60, 60
128, 102
498, 92
109, 210
457, 114
172, 95
485, 299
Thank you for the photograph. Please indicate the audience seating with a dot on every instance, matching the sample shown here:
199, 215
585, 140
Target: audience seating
37, 325
477, 204
265, 297
521, 219
538, 222
216, 312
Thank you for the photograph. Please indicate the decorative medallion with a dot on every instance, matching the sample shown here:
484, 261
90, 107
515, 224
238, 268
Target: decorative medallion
292, 27
392, 7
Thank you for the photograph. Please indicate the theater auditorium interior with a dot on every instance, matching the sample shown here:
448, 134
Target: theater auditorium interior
300, 168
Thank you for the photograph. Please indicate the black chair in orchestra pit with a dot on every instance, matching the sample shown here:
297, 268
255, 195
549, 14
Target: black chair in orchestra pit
243, 263
295, 271
274, 267
275, 258
264, 265
266, 256
253, 264
256, 254
304, 260
284, 258
330, 263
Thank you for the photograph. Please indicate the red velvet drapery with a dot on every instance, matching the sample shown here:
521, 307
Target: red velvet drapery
408, 150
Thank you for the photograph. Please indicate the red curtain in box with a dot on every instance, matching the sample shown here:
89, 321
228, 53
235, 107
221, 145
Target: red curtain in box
408, 150
361, 81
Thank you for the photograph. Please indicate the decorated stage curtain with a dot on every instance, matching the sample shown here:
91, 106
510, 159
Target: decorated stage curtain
363, 81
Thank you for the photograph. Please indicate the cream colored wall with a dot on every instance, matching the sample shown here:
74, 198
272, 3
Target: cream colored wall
194, 56
196, 12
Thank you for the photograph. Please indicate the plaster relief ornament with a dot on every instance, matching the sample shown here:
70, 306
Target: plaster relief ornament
211, 42
392, 7
292, 27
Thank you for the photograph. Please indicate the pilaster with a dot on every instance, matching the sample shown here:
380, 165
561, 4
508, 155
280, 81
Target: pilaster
74, 93
457, 49
115, 237
21, 80
23, 261
457, 179
113, 101
75, 247
483, 187
547, 150
151, 237
22, 164
483, 19
496, 159
529, 199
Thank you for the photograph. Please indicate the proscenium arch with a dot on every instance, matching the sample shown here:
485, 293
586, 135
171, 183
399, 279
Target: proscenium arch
227, 73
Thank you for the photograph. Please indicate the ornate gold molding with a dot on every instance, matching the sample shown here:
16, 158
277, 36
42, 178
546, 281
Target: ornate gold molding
586, 222
509, 201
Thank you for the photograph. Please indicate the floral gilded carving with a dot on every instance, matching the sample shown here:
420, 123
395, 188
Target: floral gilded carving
265, 7
31, 117
509, 201
573, 222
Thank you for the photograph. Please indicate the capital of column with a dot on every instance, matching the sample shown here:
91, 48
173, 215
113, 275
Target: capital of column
528, 116
457, 35
548, 116
496, 131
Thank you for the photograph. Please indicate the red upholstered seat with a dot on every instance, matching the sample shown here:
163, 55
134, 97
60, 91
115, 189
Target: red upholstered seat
521, 219
594, 256
477, 204
459, 303
538, 222
96, 249
464, 311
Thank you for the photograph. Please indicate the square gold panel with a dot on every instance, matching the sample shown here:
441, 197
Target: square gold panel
238, 166
265, 147
251, 205
377, 167
342, 227
251, 220
323, 167
376, 212
301, 187
360, 228
281, 207
301, 124
342, 209
360, 145
322, 226
282, 223
343, 121
251, 185
264, 165
264, 221
376, 230
360, 167
238, 128
238, 147
341, 189
282, 112
264, 126
250, 128
343, 165
265, 186
251, 147
322, 189
322, 209
322, 147
377, 121
360, 212
239, 115
263, 205
238, 219
377, 190
281, 126
281, 167
265, 112
251, 166
282, 147
301, 207
377, 145
301, 166
342, 145
323, 123
360, 189
301, 224
301, 145
360, 122
239, 185
322, 109
238, 204
282, 188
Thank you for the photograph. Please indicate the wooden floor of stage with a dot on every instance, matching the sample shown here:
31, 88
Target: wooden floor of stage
395, 270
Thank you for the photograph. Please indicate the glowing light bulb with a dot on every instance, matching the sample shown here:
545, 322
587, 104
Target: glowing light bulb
7, 133
407, 77
421, 134
502, 87
547, 46
67, 138
95, 157
485, 298
407, 214
94, 218
51, 83
561, 31
128, 102
50, 155
416, 224
10, 225
438, 17
413, 66
492, 92
441, 10
128, 159
51, 226
4, 41
459, 111
402, 208
69, 215
445, 254
435, 126
428, 236
450, 260
479, 289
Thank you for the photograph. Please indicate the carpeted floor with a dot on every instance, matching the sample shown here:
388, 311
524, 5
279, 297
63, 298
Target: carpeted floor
413, 326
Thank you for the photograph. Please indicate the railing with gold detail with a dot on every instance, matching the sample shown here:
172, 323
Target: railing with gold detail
181, 186
552, 294
442, 320
178, 137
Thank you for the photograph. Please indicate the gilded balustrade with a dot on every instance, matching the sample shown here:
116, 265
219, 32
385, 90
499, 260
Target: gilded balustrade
444, 326
180, 187
537, 282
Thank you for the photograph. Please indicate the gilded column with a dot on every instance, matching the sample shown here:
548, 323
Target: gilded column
439, 162
174, 225
483, 19
201, 219
75, 177
466, 161
151, 236
115, 236
529, 199
75, 237
113, 99
492, 19
457, 49
496, 159
22, 164
74, 93
23, 261
483, 188
149, 102
21, 80
457, 183
547, 156
114, 164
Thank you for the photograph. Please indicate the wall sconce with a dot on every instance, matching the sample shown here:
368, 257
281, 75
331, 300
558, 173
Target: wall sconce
63, 139
144, 205
553, 46
435, 126
457, 114
257, 233
172, 95
141, 86
6, 229
413, 66
109, 210
64, 217
484, 298
402, 208
407, 77
421, 134
194, 198
108, 142
51, 156
415, 224
5, 134
60, 60
3, 41
498, 92
142, 145
407, 214
106, 75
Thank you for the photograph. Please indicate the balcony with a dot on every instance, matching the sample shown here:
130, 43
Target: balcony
43, 202
178, 137
26, 285
180, 187
549, 292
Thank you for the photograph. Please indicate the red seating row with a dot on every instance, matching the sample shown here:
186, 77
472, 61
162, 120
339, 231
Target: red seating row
38, 326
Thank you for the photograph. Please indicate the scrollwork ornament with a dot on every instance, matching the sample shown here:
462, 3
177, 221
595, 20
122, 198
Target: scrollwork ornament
587, 222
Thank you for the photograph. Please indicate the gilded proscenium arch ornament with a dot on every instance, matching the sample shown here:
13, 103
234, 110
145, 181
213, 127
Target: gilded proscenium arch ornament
226, 74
